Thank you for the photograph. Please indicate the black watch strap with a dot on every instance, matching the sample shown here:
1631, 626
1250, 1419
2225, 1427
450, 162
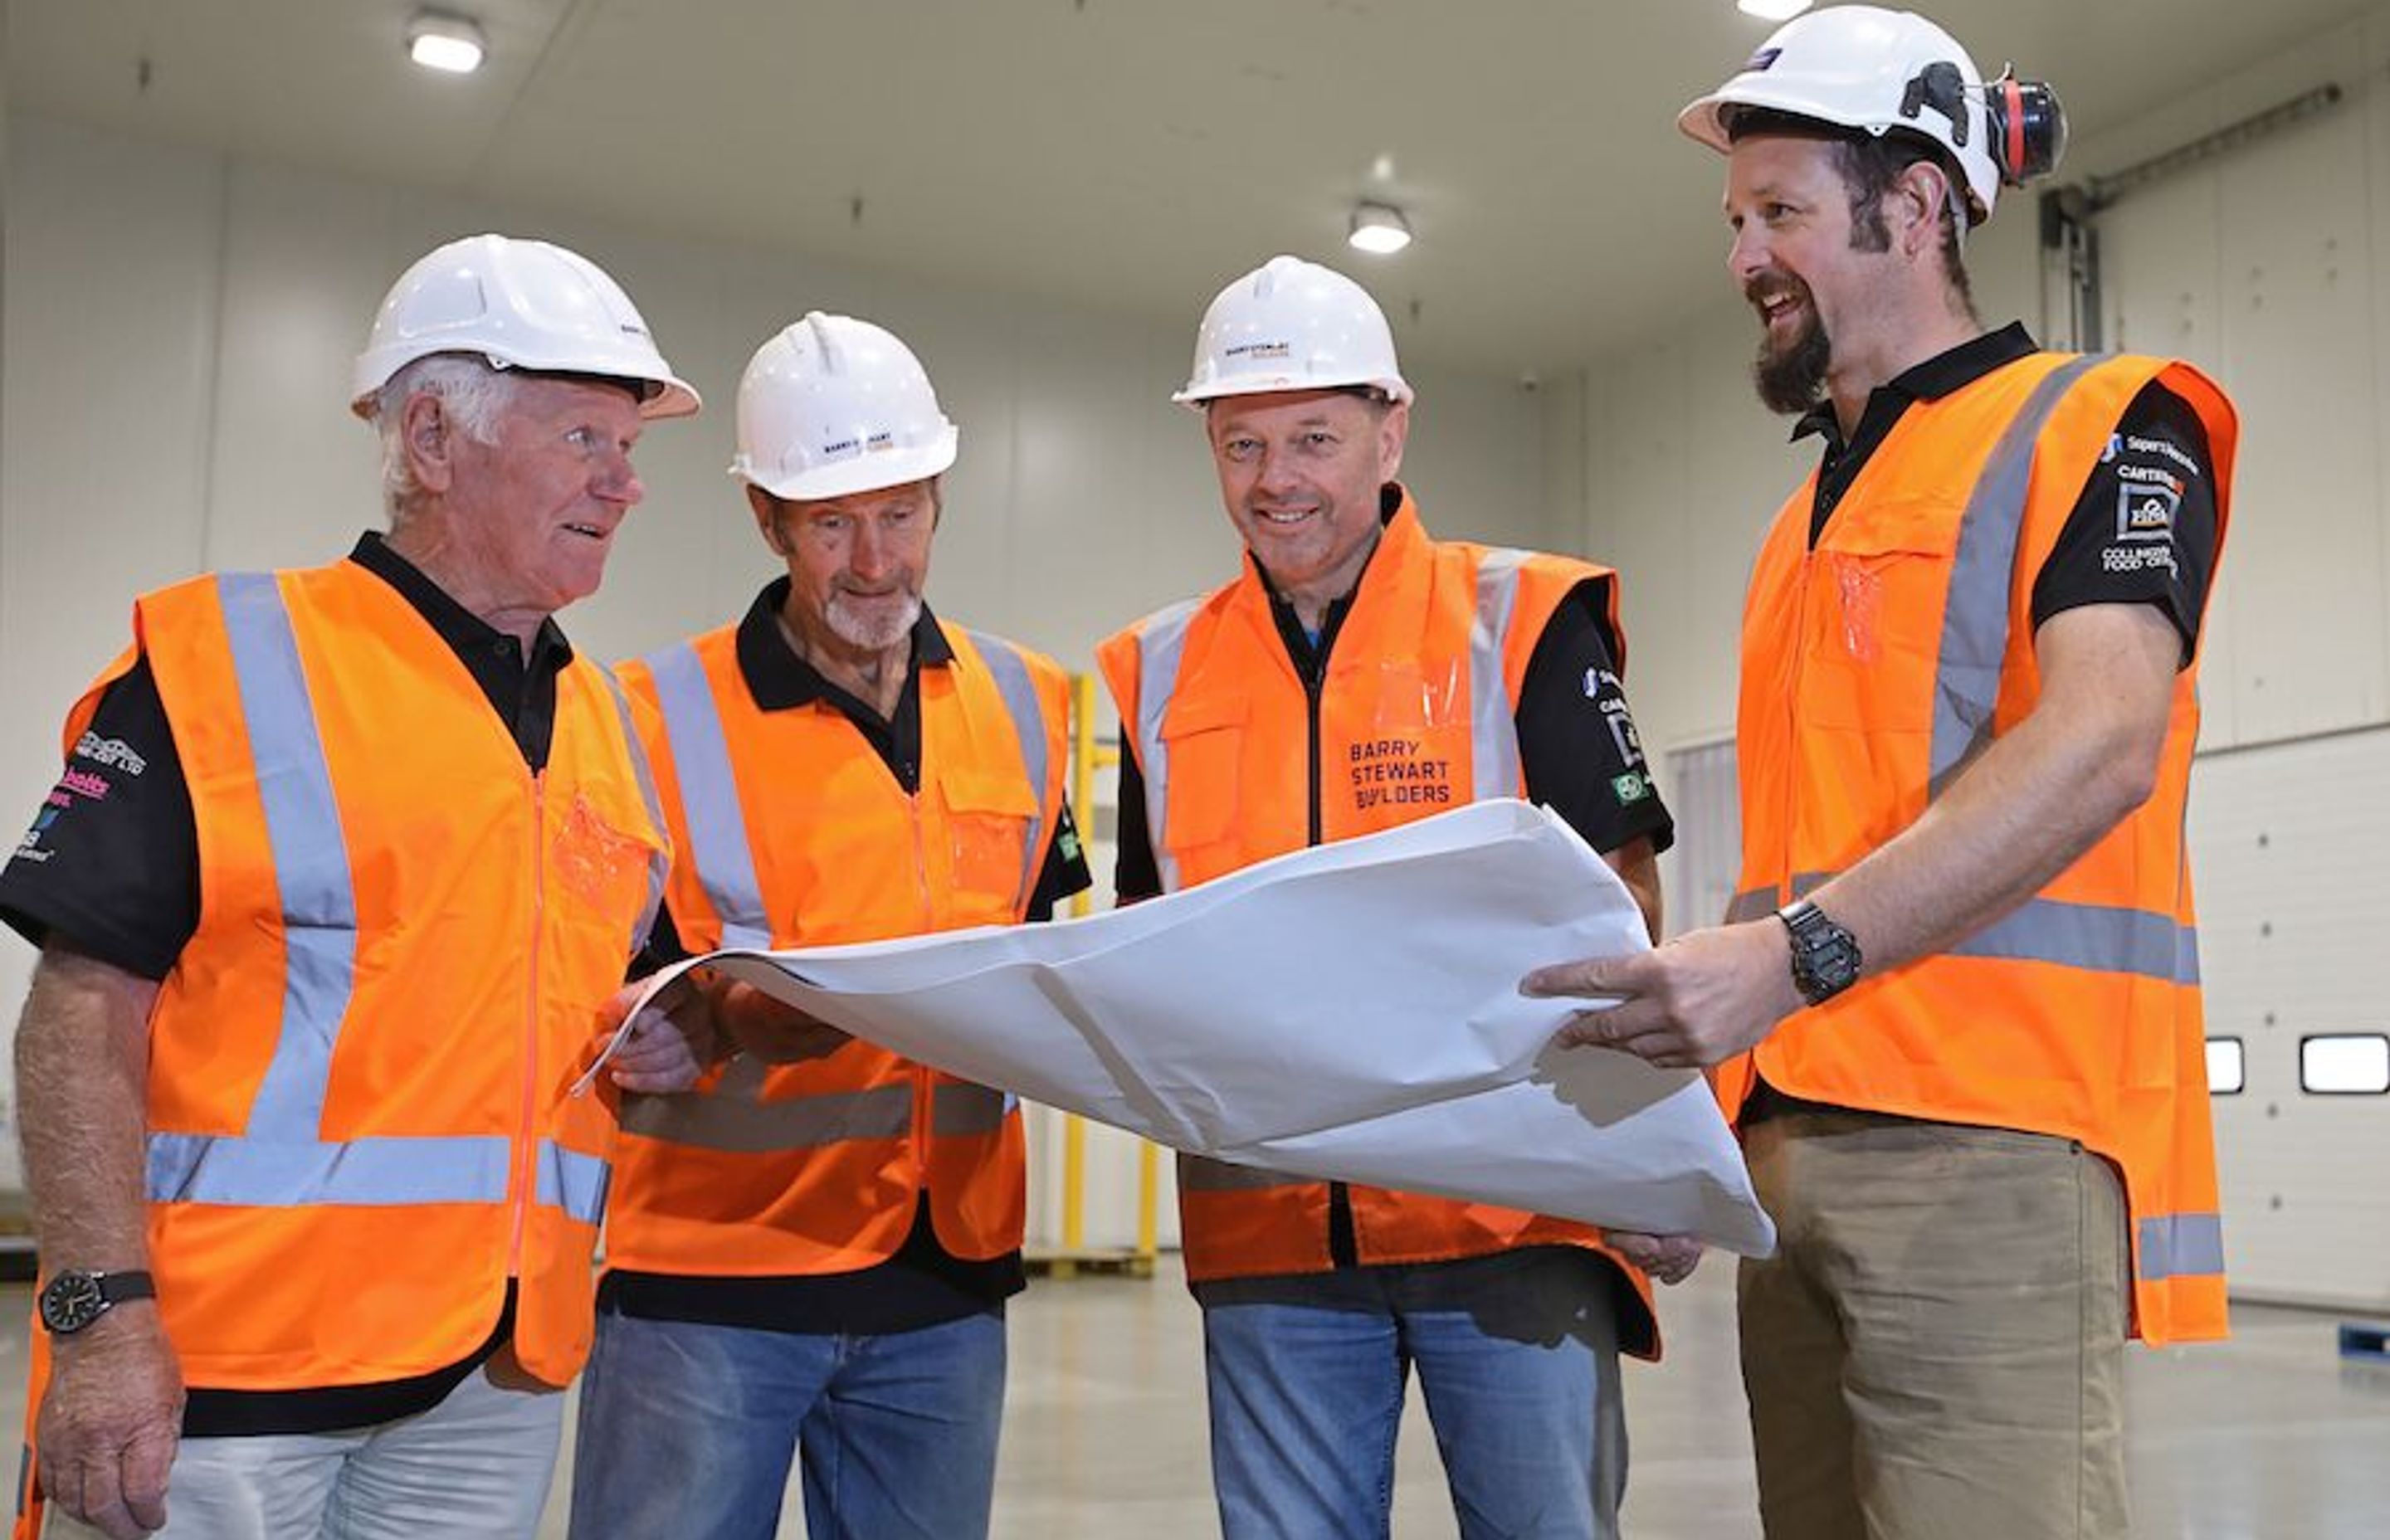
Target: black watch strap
75, 1299
1825, 954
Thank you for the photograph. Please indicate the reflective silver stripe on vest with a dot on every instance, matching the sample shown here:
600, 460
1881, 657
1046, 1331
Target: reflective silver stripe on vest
2104, 939
1975, 613
2098, 937
1159, 643
659, 861
1010, 671
1201, 1173
1492, 718
569, 1180
731, 1118
311, 858
199, 1168
960, 1111
2179, 1245
1751, 904
709, 797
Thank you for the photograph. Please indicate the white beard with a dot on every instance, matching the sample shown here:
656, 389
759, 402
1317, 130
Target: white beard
874, 630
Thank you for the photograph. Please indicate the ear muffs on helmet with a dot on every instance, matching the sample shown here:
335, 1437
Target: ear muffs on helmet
2029, 127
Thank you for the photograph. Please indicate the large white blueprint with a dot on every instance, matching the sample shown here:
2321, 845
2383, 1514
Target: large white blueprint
1348, 1011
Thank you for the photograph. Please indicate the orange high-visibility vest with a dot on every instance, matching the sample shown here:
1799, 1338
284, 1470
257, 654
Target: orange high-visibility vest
1874, 668
1417, 715
794, 833
358, 1121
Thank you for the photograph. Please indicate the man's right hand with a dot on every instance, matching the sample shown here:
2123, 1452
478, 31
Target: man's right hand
1667, 1258
111, 1419
769, 1029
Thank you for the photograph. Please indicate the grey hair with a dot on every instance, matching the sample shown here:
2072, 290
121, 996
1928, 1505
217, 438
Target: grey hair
474, 395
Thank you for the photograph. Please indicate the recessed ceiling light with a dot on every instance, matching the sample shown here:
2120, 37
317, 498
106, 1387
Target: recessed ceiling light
449, 44
1772, 10
1379, 229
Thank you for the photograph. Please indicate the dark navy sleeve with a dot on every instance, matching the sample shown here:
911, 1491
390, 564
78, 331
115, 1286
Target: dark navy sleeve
1137, 874
111, 865
2144, 530
1577, 743
1065, 871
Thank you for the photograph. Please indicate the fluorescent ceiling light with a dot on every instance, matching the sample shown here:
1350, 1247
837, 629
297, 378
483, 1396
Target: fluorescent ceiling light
1379, 229
1772, 10
449, 44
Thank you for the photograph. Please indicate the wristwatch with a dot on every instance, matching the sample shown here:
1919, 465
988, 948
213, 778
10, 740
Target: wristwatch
73, 1298
1825, 955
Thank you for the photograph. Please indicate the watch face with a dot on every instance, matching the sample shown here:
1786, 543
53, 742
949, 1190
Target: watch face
72, 1301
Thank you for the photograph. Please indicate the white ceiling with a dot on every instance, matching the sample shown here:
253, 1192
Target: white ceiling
1130, 154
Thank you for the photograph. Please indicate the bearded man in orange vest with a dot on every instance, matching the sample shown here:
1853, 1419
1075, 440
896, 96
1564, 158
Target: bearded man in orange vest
811, 1257
344, 870
1357, 676
1956, 1005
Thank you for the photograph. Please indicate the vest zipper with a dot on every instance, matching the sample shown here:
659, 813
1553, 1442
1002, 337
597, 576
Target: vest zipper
919, 1131
525, 1177
1344, 1245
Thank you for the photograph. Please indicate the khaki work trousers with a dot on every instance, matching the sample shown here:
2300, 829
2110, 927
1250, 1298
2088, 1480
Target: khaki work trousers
1936, 1350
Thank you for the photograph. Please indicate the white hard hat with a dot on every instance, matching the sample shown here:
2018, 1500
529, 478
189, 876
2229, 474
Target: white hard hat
833, 405
1874, 69
521, 304
1291, 325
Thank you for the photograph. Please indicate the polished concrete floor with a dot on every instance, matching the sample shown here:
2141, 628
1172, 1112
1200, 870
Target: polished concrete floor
2271, 1436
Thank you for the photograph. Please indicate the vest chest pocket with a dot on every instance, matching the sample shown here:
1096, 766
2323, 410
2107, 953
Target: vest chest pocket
1871, 621
1203, 746
987, 828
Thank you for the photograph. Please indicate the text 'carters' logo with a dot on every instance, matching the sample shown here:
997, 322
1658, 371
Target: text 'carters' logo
112, 752
84, 784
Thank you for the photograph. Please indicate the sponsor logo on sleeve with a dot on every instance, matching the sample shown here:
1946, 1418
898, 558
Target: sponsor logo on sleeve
112, 752
1630, 788
2145, 510
83, 784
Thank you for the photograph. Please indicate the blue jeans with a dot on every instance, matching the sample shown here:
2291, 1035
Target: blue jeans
687, 1431
1517, 1355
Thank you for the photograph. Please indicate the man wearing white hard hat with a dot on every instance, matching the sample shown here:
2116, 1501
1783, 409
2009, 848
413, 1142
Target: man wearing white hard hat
1954, 1007
809, 1258
345, 867
1357, 675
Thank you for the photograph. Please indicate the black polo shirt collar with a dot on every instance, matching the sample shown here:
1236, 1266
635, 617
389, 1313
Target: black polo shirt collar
522, 691
780, 681
1950, 370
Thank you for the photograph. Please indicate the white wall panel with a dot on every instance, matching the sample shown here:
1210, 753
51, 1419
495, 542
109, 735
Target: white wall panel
2297, 266
110, 354
2291, 844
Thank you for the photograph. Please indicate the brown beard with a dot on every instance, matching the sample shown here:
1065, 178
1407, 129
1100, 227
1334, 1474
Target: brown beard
1793, 380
